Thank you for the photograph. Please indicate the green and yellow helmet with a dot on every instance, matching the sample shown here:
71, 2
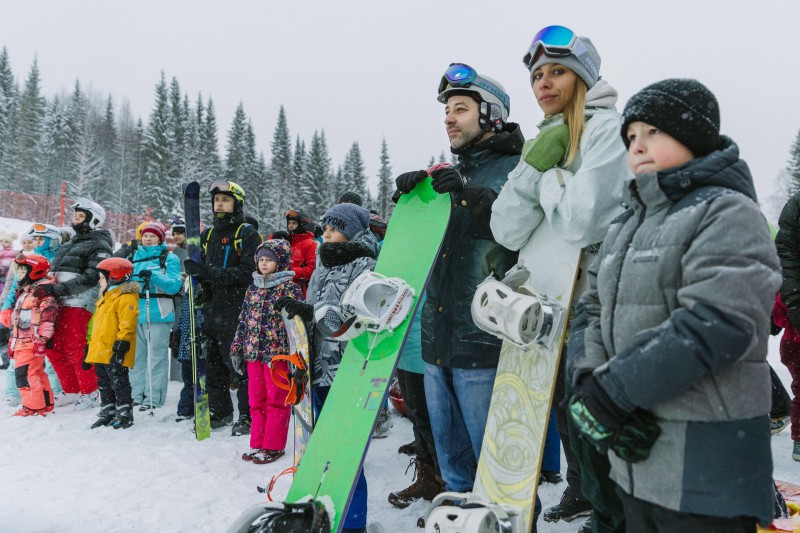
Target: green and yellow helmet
231, 189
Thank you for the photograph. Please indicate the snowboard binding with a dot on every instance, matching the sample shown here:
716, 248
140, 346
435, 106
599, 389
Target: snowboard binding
472, 516
371, 303
515, 312
308, 516
295, 381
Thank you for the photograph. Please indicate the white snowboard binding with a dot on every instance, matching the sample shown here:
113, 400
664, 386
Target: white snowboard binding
371, 303
513, 311
473, 516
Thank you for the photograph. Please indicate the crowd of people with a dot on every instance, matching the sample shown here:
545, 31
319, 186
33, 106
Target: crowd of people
665, 368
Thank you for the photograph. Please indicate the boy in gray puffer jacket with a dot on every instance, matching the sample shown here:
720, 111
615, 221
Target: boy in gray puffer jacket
669, 344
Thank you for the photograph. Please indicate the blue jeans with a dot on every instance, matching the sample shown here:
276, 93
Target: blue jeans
356, 515
458, 403
551, 460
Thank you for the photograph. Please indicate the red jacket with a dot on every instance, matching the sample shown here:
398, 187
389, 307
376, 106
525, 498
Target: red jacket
304, 257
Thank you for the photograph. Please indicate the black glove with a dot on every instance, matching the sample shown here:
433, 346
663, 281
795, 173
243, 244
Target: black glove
636, 436
144, 275
195, 268
595, 414
448, 179
281, 235
406, 182
119, 350
295, 307
794, 316
51, 289
84, 364
174, 342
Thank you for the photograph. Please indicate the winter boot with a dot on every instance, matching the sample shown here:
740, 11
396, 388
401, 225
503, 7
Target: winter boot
408, 449
425, 486
221, 421
550, 476
263, 457
105, 416
796, 450
123, 418
383, 425
569, 508
30, 412
241, 426
776, 425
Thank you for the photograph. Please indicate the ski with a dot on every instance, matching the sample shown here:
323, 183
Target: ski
191, 209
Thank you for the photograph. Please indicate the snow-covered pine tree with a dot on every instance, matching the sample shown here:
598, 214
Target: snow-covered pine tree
27, 134
793, 165
128, 185
385, 206
211, 163
298, 170
8, 100
158, 153
106, 148
283, 186
315, 186
353, 178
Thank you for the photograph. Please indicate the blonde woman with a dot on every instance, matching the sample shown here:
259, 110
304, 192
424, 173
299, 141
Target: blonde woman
570, 177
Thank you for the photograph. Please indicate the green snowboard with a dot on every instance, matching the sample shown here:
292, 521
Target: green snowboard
337, 448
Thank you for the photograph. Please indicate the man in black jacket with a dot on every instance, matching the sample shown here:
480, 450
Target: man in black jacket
75, 270
225, 272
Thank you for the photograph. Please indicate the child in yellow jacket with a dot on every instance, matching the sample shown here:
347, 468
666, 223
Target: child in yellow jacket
112, 346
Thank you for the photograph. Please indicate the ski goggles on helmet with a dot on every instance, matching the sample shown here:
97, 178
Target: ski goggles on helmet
461, 76
37, 228
226, 187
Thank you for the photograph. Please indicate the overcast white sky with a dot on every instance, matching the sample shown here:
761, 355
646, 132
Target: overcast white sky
366, 69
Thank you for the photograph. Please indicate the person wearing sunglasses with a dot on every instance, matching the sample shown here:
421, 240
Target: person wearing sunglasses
570, 177
228, 249
461, 360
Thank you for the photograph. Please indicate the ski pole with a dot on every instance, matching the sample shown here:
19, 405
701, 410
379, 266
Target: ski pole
149, 352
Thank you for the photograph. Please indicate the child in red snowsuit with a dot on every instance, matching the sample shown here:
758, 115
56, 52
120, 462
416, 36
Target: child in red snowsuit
32, 326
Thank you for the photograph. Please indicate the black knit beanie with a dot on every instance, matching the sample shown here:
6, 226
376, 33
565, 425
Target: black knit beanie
683, 108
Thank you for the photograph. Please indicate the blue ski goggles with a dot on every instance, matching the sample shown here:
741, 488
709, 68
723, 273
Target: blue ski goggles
558, 41
461, 76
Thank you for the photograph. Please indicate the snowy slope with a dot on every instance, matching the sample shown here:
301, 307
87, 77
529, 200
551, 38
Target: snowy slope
57, 475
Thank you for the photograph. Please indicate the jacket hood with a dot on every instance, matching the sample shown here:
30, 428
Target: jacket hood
129, 287
280, 249
721, 168
298, 237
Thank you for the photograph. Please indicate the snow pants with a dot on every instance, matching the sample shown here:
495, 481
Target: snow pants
32, 382
790, 356
268, 413
140, 375
113, 382
11, 380
67, 353
356, 515
217, 347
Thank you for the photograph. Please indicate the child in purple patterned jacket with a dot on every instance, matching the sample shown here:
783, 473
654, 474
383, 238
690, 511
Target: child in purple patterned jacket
260, 336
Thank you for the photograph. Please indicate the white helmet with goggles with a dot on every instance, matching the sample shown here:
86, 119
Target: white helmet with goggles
496, 104
96, 215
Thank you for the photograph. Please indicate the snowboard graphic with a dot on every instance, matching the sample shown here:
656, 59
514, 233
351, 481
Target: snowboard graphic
335, 454
511, 455
191, 210
303, 411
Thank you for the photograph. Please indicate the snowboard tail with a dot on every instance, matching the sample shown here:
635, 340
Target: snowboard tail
336, 451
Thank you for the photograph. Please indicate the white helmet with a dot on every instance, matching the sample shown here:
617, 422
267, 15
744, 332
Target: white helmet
98, 214
460, 77
373, 302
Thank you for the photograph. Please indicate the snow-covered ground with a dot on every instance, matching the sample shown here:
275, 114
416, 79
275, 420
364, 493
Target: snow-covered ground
58, 475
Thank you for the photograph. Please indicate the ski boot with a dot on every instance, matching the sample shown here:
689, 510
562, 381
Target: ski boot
221, 421
550, 476
408, 449
241, 426
25, 411
776, 425
123, 418
105, 416
426, 485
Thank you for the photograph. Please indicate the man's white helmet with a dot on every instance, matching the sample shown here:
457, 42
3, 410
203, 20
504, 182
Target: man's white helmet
98, 214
